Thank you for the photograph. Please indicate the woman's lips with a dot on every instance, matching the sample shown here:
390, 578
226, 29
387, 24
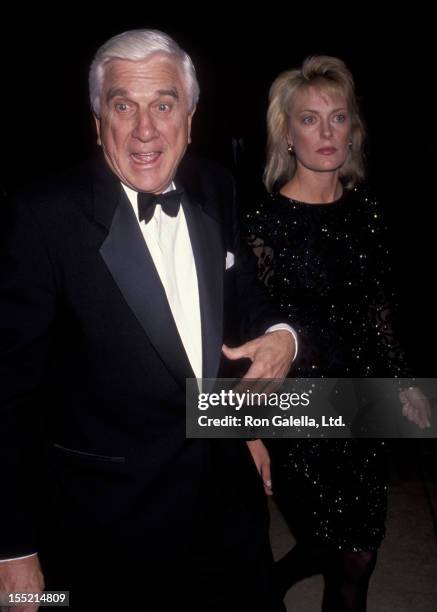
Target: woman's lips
327, 150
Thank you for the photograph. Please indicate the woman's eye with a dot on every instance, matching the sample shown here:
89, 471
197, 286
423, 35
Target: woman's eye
308, 120
341, 118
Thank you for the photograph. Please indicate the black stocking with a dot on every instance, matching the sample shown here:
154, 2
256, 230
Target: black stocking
346, 575
347, 580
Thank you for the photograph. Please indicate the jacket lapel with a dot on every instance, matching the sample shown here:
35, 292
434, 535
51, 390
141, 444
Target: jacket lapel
209, 256
128, 259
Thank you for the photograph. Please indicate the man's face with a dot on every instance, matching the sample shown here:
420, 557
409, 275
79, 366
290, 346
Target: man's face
144, 125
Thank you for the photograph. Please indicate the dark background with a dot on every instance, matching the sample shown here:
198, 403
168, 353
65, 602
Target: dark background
47, 125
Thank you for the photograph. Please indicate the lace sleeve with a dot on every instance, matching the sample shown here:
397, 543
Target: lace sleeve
383, 305
391, 355
265, 256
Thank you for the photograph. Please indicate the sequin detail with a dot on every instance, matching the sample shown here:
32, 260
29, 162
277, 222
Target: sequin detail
326, 265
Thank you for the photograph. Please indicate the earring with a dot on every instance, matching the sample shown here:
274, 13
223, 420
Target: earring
290, 149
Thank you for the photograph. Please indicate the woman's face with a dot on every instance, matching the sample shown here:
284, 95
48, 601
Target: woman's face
319, 129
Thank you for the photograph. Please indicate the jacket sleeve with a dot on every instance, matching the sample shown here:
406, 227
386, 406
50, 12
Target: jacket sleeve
27, 309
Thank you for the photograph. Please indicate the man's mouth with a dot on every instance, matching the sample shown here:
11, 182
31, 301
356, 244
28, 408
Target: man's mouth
145, 158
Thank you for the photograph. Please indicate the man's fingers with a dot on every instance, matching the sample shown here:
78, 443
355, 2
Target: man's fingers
239, 352
256, 373
248, 384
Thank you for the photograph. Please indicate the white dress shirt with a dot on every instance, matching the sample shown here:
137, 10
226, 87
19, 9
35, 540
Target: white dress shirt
169, 244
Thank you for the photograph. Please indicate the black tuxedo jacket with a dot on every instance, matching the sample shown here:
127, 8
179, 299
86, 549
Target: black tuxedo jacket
93, 369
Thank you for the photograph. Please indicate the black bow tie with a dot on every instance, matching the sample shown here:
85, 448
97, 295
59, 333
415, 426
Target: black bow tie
169, 201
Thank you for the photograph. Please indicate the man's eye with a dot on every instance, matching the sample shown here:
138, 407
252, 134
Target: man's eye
163, 108
121, 107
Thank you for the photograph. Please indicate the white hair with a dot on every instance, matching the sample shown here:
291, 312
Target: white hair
139, 45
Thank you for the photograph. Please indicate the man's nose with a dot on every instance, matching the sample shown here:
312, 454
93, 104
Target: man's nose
145, 128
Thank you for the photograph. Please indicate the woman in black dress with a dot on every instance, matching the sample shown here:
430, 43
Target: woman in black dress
320, 242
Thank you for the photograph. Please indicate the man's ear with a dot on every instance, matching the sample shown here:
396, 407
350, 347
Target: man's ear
190, 119
97, 122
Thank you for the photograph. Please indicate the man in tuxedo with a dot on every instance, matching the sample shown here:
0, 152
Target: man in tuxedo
118, 281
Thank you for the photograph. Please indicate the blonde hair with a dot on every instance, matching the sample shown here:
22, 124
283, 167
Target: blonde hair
324, 72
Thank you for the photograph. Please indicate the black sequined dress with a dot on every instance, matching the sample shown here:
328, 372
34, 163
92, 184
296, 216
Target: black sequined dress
325, 264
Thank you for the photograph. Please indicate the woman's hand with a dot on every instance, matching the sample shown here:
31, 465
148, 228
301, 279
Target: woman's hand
416, 406
261, 457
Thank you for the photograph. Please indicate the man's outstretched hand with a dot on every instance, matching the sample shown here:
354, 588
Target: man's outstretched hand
271, 354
